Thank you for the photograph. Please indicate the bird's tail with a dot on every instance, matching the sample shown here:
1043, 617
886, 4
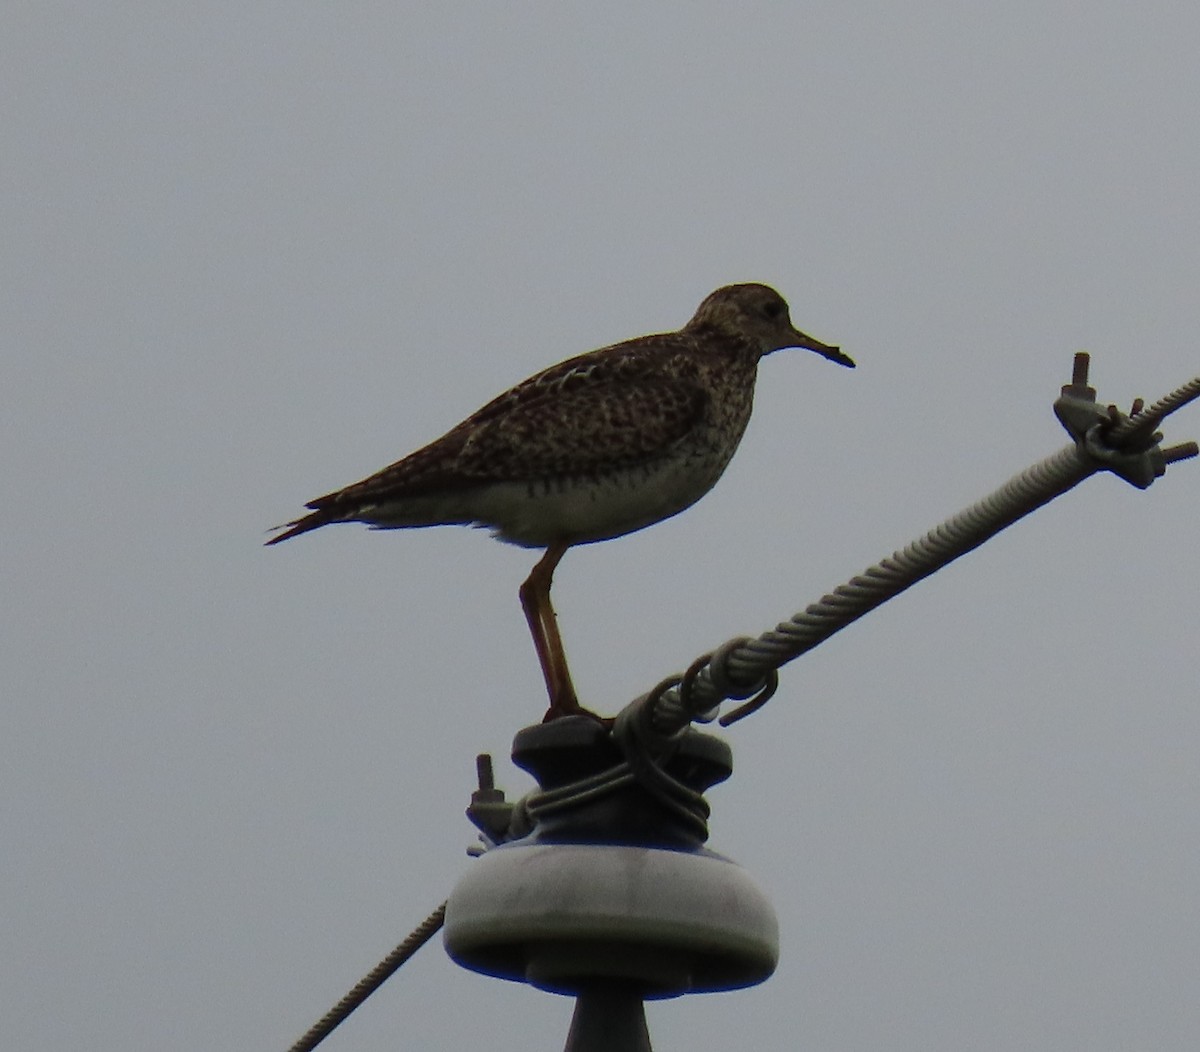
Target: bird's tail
301, 525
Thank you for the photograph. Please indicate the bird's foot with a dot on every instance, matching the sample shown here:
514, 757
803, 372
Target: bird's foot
560, 709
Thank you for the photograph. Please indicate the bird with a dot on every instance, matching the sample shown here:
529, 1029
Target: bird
595, 447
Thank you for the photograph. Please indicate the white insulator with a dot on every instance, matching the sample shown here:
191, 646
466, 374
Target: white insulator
558, 915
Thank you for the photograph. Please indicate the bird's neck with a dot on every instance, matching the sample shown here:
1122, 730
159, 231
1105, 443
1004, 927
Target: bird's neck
728, 343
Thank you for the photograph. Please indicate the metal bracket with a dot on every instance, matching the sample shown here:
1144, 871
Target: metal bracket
1125, 444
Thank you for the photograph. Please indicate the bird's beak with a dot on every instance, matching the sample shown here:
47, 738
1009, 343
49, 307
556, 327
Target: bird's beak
834, 354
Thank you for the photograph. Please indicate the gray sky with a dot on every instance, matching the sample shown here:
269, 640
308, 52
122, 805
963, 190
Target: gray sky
254, 252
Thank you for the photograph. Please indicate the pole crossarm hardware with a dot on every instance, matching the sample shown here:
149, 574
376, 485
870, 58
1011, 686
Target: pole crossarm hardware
1103, 439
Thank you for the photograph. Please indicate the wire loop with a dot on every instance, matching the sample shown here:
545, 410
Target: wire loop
770, 686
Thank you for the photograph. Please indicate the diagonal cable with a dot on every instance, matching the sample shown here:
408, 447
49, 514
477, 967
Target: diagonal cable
371, 982
1104, 440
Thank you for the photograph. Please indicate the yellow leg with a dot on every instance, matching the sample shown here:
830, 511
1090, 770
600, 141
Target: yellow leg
543, 626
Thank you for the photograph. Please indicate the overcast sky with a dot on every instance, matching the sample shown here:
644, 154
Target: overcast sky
253, 252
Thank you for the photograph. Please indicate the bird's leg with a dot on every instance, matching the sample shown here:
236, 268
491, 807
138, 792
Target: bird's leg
543, 626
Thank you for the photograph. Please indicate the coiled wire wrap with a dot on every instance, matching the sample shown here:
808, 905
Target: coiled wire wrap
644, 755
1123, 444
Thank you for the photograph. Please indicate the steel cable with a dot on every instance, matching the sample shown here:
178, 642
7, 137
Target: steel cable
1123, 444
371, 981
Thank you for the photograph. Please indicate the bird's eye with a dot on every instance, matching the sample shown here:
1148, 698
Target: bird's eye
772, 309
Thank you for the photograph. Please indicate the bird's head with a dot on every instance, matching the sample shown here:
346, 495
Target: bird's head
759, 314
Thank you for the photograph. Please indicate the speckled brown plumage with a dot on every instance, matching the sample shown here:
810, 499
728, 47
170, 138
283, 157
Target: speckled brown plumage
592, 448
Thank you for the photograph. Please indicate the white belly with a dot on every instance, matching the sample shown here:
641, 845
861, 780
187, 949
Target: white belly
584, 510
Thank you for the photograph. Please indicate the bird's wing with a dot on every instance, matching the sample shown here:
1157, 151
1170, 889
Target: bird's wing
578, 431
619, 406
